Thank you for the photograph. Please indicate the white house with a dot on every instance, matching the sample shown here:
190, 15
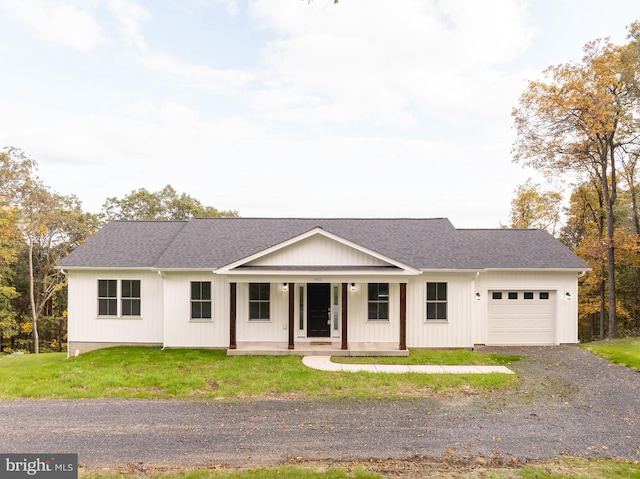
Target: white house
350, 286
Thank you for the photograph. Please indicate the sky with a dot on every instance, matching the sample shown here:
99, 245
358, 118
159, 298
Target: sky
287, 108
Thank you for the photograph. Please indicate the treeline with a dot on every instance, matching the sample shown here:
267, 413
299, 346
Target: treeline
38, 227
580, 127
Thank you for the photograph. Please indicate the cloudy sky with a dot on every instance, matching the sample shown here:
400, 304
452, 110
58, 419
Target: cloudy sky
286, 108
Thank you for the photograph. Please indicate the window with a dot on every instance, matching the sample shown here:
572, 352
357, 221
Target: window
378, 301
496, 295
301, 312
200, 299
527, 295
513, 295
119, 302
130, 297
107, 297
437, 301
259, 294
544, 295
336, 308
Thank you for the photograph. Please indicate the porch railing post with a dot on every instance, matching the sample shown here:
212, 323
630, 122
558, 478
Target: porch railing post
403, 316
232, 316
291, 314
345, 342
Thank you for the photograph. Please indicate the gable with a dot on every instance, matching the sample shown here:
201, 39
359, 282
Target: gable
318, 250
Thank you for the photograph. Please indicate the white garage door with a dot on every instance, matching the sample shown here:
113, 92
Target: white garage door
521, 317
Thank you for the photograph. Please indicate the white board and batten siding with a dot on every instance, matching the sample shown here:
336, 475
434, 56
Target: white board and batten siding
456, 331
318, 250
276, 328
365, 330
86, 326
531, 321
183, 332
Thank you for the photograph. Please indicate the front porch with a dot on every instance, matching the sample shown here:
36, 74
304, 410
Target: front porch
315, 318
317, 348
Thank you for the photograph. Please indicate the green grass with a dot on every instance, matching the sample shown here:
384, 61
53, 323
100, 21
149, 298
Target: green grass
445, 357
567, 468
571, 468
134, 372
620, 351
283, 472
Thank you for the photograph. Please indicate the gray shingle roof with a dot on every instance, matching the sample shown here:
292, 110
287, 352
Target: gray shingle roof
210, 243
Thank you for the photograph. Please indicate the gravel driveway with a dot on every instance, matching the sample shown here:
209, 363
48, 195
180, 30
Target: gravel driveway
570, 402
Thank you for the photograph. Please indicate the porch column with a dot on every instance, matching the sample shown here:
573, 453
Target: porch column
292, 319
232, 316
403, 316
344, 317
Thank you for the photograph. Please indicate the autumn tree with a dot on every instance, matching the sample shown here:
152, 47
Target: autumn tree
533, 208
579, 122
50, 226
165, 204
9, 248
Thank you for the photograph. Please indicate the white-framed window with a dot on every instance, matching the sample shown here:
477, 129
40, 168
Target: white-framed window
131, 300
378, 301
201, 303
107, 297
119, 299
259, 301
336, 308
301, 308
436, 301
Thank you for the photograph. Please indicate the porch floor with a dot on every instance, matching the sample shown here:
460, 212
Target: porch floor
316, 349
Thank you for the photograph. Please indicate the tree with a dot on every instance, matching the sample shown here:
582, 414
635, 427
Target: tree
165, 204
50, 226
9, 246
581, 121
532, 208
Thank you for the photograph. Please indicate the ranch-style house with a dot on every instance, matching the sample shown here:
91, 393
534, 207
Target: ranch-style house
328, 286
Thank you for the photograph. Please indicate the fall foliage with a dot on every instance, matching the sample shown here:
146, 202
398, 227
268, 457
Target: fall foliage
582, 123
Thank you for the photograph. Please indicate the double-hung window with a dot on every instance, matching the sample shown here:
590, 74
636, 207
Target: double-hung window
259, 301
107, 297
119, 298
130, 297
437, 301
378, 301
201, 300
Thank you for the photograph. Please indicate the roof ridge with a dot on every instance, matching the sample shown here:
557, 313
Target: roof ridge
316, 218
147, 221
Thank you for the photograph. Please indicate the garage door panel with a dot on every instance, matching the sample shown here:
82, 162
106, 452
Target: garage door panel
521, 321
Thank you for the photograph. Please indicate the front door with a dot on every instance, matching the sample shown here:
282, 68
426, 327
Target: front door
318, 310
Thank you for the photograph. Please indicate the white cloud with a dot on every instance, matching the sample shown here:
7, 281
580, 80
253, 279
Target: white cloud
61, 22
130, 15
200, 77
378, 61
232, 7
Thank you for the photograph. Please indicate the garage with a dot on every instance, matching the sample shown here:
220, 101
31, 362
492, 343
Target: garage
521, 317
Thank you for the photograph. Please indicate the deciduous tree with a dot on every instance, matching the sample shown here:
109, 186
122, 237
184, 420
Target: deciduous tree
50, 226
165, 204
533, 208
580, 121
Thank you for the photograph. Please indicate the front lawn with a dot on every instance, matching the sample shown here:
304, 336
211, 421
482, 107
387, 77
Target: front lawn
564, 468
442, 357
620, 351
134, 372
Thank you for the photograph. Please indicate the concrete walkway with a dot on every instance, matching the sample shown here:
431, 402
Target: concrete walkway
324, 363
